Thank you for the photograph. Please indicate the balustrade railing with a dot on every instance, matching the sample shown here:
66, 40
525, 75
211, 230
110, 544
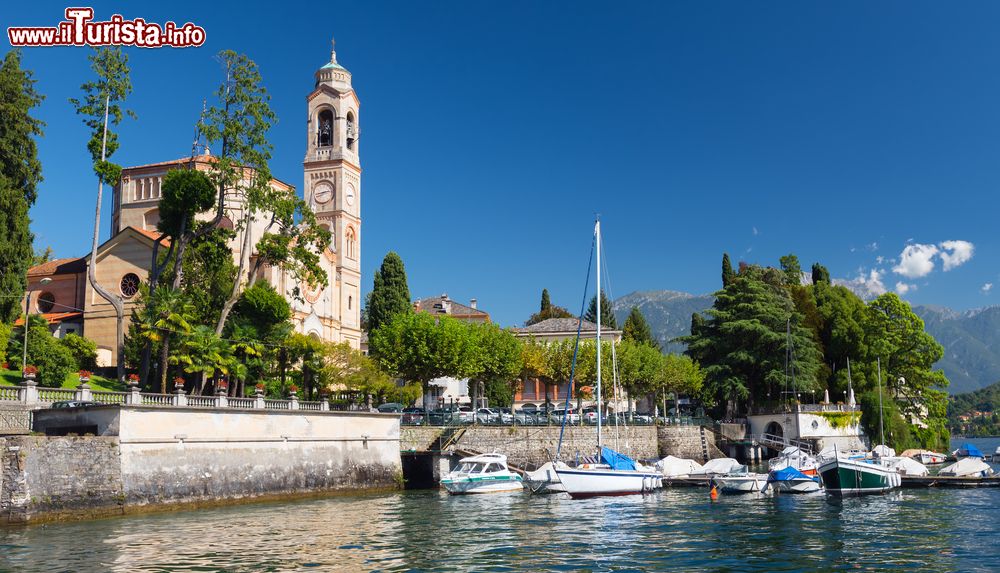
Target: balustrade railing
8, 393
317, 406
242, 403
55, 394
277, 405
201, 401
157, 399
104, 397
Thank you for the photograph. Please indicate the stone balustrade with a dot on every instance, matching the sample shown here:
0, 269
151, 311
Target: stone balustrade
29, 394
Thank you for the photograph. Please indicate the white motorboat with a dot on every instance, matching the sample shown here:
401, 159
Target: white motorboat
545, 479
794, 457
967, 467
741, 481
928, 457
906, 466
485, 473
615, 474
790, 480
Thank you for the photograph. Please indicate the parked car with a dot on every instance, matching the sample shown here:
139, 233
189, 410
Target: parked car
506, 416
413, 415
390, 408
525, 417
590, 416
73, 404
569, 413
466, 415
444, 417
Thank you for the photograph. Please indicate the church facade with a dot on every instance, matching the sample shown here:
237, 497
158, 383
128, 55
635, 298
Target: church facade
332, 188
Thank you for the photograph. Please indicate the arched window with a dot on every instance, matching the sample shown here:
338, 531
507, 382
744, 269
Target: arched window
333, 237
324, 129
349, 239
352, 130
150, 219
350, 301
45, 302
226, 223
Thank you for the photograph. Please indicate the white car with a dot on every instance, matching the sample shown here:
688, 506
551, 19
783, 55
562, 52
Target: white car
491, 416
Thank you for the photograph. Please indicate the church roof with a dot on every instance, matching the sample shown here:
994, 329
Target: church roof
59, 267
333, 66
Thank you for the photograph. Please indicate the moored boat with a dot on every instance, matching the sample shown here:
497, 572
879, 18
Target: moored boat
926, 457
794, 457
791, 480
485, 473
967, 467
741, 481
545, 479
843, 476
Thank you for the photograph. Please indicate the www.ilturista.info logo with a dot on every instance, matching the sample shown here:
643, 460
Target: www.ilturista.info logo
79, 30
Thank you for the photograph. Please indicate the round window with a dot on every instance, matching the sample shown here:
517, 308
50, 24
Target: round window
129, 285
46, 301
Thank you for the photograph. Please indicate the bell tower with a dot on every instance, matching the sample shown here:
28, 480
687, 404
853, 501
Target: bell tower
333, 189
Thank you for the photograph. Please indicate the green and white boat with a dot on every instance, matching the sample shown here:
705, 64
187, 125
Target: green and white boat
485, 473
845, 475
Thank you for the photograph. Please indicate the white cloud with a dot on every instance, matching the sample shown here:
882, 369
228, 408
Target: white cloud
903, 288
873, 246
987, 288
755, 232
955, 253
916, 260
880, 259
867, 286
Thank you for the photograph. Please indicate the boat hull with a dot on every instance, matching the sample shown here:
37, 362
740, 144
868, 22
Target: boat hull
584, 483
844, 477
462, 486
741, 484
797, 486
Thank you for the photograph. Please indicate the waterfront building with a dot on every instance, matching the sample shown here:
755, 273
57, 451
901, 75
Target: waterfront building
448, 390
332, 187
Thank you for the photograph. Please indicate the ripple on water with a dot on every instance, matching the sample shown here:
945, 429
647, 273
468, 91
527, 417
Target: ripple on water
926, 530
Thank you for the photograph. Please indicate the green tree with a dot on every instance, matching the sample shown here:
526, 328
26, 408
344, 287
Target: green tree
203, 353
101, 108
54, 361
727, 270
546, 303
307, 352
744, 347
607, 312
20, 173
165, 318
84, 351
820, 274
419, 347
637, 330
390, 294
792, 269
498, 363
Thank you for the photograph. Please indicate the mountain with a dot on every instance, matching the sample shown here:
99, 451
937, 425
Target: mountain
667, 312
971, 339
971, 343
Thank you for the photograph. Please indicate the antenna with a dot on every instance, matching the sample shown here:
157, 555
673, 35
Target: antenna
197, 143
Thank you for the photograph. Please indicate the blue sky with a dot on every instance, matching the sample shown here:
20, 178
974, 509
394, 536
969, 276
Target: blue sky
850, 133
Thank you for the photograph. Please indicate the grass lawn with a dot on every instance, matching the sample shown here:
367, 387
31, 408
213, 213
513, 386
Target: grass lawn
13, 378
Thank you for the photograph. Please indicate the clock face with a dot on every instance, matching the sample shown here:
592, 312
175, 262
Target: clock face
350, 195
323, 192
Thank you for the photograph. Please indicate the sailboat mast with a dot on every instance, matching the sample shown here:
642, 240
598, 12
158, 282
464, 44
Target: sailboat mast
597, 234
881, 425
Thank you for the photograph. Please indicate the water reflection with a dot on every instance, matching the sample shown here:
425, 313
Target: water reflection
683, 530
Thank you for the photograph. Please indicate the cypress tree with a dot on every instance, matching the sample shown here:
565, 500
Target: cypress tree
727, 270
546, 303
390, 294
820, 274
607, 314
20, 173
637, 329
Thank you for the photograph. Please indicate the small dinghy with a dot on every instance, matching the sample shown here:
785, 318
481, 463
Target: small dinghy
544, 479
485, 473
741, 481
791, 480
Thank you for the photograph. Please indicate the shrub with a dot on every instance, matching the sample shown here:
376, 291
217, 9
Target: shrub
84, 351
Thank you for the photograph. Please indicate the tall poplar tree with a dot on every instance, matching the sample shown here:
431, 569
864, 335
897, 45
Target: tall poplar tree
20, 173
102, 110
546, 303
390, 294
727, 270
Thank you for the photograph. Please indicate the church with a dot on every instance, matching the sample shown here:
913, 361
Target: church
60, 291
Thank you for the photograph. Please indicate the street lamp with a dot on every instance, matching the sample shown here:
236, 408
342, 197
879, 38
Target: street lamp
27, 313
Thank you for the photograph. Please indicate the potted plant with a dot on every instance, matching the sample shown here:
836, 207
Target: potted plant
223, 385
132, 380
30, 372
178, 383
259, 388
292, 390
84, 376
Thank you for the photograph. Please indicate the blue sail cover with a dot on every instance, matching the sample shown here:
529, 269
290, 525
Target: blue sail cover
969, 451
788, 474
615, 460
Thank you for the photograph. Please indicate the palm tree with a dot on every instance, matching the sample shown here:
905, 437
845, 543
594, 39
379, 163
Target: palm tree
166, 316
204, 353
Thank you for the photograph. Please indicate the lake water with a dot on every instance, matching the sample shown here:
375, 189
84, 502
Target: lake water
679, 530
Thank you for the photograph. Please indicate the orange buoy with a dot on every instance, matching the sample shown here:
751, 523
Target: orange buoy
714, 494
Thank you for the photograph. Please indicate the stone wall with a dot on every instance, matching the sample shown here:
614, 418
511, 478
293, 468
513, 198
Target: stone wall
57, 476
528, 447
685, 442
150, 457
418, 438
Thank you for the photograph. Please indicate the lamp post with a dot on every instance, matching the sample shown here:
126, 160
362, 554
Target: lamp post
27, 314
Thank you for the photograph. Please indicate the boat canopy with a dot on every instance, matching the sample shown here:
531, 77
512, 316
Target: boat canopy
718, 466
675, 467
967, 467
787, 474
908, 466
615, 460
884, 451
968, 451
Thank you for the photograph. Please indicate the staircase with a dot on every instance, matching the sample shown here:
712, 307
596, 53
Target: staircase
704, 444
447, 438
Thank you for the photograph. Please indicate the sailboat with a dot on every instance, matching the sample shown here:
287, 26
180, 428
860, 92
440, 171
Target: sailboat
850, 475
614, 473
